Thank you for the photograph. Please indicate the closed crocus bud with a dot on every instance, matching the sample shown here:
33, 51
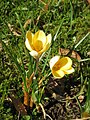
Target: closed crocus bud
60, 67
37, 43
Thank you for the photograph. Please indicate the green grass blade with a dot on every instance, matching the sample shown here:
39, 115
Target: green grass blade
58, 29
12, 56
81, 40
71, 14
23, 69
87, 104
43, 69
20, 24
83, 60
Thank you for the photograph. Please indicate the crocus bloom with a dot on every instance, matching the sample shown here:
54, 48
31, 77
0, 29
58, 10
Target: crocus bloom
37, 43
60, 67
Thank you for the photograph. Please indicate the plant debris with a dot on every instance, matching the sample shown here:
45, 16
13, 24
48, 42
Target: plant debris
18, 104
73, 54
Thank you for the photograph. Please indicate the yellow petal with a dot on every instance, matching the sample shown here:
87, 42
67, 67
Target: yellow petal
28, 42
53, 61
38, 45
28, 45
48, 38
47, 45
34, 54
69, 71
65, 63
39, 35
58, 73
29, 36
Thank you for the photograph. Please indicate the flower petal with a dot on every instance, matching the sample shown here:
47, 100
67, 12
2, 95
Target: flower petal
69, 71
34, 54
28, 42
48, 38
39, 35
29, 36
38, 45
58, 73
53, 61
28, 45
65, 63
47, 45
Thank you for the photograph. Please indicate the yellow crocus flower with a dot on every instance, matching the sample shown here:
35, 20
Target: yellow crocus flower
37, 43
60, 67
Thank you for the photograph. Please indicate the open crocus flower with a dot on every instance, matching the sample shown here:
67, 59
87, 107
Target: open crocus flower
37, 43
60, 67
